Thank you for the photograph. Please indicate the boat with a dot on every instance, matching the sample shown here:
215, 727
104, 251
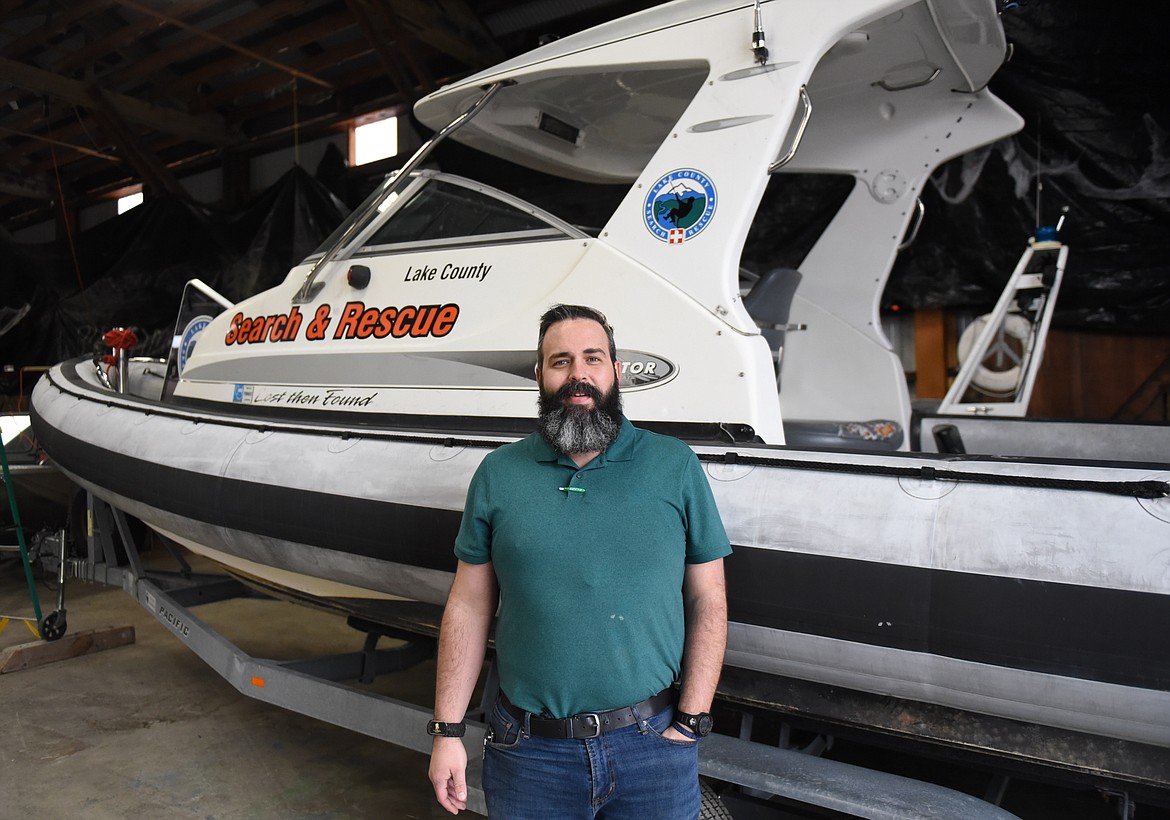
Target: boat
317, 438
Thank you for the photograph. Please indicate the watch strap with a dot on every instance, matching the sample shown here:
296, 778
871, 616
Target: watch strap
699, 724
438, 728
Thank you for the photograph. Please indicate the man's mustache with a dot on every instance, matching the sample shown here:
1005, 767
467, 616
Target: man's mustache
579, 389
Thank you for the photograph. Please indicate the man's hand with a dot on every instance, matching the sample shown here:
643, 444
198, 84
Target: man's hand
448, 773
462, 643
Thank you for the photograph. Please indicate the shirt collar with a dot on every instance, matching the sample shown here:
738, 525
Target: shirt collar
622, 448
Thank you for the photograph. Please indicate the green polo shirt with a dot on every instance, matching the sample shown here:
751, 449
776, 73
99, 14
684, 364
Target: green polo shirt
590, 566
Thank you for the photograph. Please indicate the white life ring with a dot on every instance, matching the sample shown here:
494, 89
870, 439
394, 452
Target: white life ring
995, 381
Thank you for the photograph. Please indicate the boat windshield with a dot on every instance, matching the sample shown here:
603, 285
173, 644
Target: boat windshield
447, 211
441, 209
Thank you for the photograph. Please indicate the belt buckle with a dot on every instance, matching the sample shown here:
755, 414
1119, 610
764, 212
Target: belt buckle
580, 720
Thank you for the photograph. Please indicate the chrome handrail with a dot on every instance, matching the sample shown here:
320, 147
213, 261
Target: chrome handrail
784, 160
912, 234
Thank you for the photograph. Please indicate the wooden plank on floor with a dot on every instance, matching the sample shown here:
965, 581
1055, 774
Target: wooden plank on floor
73, 645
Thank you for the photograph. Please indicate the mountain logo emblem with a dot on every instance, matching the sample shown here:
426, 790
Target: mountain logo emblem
679, 205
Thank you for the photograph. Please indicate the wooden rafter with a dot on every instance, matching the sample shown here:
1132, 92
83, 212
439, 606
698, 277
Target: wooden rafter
219, 72
450, 26
27, 187
81, 149
194, 47
224, 42
256, 84
207, 128
127, 32
145, 162
385, 35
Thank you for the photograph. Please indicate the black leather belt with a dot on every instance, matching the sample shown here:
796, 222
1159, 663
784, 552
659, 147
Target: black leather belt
589, 724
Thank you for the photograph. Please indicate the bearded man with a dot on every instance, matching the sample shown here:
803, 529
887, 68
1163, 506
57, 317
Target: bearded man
601, 547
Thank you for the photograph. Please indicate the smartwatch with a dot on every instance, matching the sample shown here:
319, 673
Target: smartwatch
438, 728
700, 724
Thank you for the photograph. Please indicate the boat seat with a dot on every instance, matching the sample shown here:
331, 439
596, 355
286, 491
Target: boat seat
769, 303
877, 434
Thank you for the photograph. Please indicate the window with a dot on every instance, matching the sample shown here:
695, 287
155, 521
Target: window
436, 209
125, 203
442, 213
376, 140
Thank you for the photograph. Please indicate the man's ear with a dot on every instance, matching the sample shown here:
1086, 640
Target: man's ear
617, 371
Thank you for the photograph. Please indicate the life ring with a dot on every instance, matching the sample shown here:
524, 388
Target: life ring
996, 381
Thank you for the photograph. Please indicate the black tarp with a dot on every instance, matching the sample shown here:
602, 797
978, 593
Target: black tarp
1090, 81
278, 230
166, 241
130, 270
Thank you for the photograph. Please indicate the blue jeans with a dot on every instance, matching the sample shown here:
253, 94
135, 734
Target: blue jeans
632, 773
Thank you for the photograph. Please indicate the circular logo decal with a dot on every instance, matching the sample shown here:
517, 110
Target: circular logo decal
679, 205
190, 336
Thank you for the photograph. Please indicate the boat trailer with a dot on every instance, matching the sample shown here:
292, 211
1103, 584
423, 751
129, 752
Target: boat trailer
318, 688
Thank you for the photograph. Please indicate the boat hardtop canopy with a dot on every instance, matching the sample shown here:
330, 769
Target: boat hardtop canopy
597, 105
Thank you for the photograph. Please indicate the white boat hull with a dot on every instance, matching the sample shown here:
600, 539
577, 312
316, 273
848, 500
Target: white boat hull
969, 594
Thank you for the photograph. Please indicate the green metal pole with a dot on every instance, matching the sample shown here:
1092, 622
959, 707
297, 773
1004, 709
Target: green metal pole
32, 587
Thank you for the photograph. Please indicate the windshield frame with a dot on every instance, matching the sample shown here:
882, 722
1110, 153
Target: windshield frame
356, 247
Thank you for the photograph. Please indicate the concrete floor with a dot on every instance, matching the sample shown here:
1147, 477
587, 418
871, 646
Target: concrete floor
149, 731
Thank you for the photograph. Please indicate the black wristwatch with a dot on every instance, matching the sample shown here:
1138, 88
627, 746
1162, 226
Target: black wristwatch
441, 729
701, 724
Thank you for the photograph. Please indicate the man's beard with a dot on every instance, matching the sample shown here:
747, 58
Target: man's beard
576, 429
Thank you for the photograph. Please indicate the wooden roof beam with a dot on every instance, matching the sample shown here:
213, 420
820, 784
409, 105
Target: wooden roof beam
257, 84
451, 26
208, 128
40, 39
128, 32
382, 28
224, 42
146, 164
27, 187
195, 46
80, 149
209, 86
69, 130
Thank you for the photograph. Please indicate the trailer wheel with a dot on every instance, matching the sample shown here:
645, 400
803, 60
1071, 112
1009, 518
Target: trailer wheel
710, 806
53, 625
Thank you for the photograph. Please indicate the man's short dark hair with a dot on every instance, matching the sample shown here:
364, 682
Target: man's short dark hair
561, 313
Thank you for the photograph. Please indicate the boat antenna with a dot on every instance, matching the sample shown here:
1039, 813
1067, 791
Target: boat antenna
758, 42
1048, 233
1039, 178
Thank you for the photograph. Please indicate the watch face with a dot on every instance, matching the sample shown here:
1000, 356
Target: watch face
705, 724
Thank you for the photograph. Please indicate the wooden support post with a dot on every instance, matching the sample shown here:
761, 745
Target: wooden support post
930, 354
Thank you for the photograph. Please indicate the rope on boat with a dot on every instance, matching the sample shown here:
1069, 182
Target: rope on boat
120, 338
1149, 489
1134, 489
